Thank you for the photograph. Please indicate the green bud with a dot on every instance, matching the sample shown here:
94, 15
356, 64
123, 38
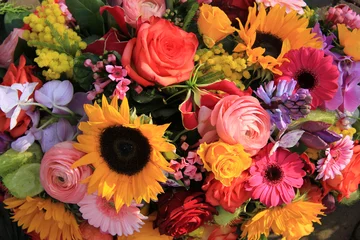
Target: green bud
25, 181
12, 160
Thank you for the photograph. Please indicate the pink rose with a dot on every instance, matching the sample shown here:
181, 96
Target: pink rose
162, 53
57, 177
242, 120
230, 198
134, 9
8, 46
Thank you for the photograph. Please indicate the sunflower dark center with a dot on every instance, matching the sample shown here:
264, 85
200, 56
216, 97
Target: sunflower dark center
306, 80
271, 43
274, 174
125, 150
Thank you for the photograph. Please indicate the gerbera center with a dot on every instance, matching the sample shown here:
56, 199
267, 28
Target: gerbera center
306, 80
271, 43
274, 173
125, 150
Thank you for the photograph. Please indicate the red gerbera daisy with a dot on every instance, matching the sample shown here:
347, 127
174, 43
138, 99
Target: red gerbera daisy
314, 71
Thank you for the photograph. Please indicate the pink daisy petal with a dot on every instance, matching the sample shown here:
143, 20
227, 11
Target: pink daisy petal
274, 177
102, 214
338, 156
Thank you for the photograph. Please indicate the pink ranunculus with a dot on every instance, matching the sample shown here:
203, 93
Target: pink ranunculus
242, 120
57, 177
134, 9
7, 48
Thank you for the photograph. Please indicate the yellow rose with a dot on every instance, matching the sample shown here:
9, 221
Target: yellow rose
213, 24
224, 160
350, 41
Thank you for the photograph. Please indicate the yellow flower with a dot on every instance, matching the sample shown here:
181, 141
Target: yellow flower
213, 24
224, 160
50, 220
146, 232
292, 221
266, 37
350, 41
125, 152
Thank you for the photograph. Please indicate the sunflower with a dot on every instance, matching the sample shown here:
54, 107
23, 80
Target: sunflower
125, 152
266, 37
292, 221
50, 220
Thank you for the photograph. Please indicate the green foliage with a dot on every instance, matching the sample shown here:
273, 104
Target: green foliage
84, 75
12, 160
354, 197
25, 181
87, 15
192, 7
14, 20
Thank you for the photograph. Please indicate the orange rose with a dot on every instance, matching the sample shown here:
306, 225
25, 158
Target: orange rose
162, 53
348, 182
21, 74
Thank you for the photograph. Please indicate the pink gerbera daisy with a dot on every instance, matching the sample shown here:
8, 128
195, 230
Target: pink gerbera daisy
314, 71
291, 5
102, 214
273, 177
338, 156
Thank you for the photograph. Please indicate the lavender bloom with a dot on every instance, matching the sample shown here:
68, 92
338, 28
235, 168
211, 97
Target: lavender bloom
55, 133
23, 143
5, 140
284, 105
56, 95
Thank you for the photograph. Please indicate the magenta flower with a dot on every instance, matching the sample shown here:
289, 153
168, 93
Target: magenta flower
338, 156
116, 73
274, 177
121, 88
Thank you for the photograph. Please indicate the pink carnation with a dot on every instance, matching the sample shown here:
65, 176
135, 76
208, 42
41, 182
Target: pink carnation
134, 9
242, 120
57, 177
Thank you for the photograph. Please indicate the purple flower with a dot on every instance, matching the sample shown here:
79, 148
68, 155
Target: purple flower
77, 103
55, 133
23, 143
56, 95
5, 140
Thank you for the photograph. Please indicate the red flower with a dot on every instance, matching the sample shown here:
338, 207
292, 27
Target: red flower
20, 74
109, 42
182, 212
230, 198
235, 8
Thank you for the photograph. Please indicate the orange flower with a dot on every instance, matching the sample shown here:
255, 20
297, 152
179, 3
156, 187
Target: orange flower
20, 74
213, 24
348, 182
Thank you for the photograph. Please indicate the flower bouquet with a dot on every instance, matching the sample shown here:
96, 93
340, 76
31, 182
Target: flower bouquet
176, 119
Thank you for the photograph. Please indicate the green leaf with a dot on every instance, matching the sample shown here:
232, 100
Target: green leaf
354, 197
12, 160
25, 181
87, 15
84, 75
316, 115
14, 20
146, 96
224, 217
23, 49
190, 14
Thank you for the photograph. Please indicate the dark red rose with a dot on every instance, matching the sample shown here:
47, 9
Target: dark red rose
235, 8
182, 212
